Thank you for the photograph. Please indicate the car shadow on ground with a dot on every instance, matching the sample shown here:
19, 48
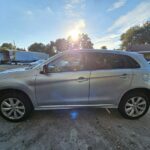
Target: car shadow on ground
74, 114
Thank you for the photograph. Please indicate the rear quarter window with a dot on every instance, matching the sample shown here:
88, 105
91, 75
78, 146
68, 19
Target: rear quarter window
131, 62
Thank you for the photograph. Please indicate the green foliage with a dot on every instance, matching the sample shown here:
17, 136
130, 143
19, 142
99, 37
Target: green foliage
136, 35
61, 44
7, 46
50, 48
103, 47
38, 47
83, 42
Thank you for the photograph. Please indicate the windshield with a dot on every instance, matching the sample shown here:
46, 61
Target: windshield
41, 62
35, 64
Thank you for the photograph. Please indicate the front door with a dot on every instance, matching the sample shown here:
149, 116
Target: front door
67, 83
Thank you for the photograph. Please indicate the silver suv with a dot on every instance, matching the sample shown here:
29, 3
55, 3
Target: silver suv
82, 78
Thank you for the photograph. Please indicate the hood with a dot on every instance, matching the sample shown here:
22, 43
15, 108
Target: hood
13, 70
17, 73
12, 73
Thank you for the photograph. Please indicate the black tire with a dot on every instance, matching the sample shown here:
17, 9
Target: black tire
24, 100
125, 99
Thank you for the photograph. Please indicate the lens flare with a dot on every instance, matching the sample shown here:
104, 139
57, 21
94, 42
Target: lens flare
74, 115
74, 34
76, 29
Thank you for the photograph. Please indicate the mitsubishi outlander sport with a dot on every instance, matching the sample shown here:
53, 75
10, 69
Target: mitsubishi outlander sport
79, 78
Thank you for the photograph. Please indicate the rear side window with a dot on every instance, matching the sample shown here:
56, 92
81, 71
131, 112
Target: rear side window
96, 61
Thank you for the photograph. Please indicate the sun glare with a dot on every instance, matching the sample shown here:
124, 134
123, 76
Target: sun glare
74, 34
76, 29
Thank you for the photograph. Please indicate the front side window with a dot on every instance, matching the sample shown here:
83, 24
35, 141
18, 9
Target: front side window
96, 61
67, 63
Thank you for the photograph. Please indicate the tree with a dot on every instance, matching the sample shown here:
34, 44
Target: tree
8, 46
40, 47
20, 49
83, 42
61, 44
104, 47
37, 47
136, 35
50, 48
73, 44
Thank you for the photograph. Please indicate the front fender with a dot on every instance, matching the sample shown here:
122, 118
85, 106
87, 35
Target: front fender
26, 86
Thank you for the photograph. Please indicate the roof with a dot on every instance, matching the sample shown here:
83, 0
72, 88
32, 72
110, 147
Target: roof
144, 52
138, 57
106, 51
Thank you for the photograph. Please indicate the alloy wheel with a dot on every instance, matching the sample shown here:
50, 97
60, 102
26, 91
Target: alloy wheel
135, 106
12, 108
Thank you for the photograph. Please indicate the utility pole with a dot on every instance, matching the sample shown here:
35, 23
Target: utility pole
14, 52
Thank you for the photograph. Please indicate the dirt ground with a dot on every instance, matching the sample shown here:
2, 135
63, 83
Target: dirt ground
76, 129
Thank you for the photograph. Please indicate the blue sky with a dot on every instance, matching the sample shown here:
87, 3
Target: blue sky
29, 21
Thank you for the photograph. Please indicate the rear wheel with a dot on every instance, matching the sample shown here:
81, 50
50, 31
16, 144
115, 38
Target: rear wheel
15, 106
134, 105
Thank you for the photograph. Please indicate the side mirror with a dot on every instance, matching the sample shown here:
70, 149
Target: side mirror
45, 69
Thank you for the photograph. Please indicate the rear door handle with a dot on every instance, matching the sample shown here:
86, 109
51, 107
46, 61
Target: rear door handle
82, 79
123, 75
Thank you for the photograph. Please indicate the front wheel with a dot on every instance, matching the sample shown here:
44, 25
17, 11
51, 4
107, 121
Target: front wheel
15, 106
134, 105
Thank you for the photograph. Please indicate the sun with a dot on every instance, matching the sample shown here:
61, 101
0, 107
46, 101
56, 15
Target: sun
74, 34
76, 29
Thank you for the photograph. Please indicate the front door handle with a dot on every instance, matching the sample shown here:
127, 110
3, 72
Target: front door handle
81, 79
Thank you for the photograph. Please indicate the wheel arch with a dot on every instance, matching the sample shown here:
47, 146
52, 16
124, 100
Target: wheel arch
144, 90
2, 92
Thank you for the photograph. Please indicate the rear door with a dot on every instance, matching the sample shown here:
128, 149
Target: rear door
111, 75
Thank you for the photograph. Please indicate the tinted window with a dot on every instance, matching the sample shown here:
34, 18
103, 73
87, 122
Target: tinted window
130, 62
67, 63
96, 61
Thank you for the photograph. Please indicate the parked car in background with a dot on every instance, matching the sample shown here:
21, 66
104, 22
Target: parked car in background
24, 57
81, 78
21, 57
146, 55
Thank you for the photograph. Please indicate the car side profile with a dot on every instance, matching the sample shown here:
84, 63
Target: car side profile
79, 78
